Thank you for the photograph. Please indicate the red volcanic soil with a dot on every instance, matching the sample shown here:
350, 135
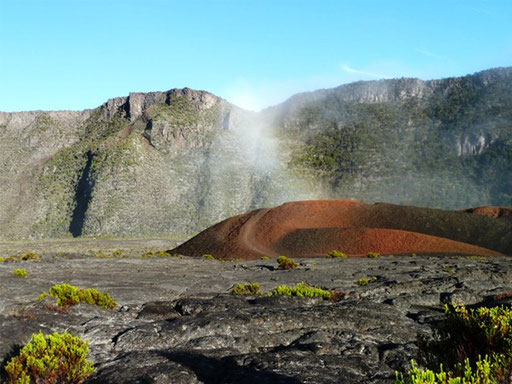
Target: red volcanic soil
313, 228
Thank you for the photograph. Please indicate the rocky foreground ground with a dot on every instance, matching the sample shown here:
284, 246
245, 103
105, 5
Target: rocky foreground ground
178, 323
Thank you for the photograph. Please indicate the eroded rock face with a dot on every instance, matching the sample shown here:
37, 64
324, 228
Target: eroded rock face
177, 321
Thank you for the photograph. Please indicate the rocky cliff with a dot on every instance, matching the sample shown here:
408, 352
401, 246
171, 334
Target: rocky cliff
181, 160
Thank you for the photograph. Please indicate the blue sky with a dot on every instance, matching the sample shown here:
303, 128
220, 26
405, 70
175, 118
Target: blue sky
75, 54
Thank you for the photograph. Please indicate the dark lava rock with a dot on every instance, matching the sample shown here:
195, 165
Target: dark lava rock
178, 323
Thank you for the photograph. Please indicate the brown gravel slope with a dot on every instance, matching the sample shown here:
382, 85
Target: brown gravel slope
313, 228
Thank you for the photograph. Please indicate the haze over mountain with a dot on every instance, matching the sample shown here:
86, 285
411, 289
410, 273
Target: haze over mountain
181, 160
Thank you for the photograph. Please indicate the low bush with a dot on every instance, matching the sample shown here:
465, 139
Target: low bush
20, 272
286, 263
69, 295
468, 347
2, 259
252, 289
373, 255
57, 358
265, 258
334, 254
300, 290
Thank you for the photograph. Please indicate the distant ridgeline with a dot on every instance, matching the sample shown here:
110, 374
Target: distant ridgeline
179, 161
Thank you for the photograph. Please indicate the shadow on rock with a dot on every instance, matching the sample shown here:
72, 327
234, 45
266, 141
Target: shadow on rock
225, 370
14, 351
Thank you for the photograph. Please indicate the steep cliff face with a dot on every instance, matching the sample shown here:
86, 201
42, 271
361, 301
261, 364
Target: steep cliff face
181, 160
443, 143
161, 162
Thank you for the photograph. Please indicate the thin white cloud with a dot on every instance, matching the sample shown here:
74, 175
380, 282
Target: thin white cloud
348, 69
430, 54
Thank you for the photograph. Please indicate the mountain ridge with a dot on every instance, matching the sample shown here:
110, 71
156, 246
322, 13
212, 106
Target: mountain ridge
180, 160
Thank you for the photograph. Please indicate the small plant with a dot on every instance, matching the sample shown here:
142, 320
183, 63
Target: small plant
334, 254
2, 259
286, 263
57, 358
300, 290
265, 258
373, 255
20, 272
413, 255
68, 295
366, 280
451, 271
207, 256
252, 289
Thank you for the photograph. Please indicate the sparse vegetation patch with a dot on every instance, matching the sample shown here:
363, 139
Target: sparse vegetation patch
159, 253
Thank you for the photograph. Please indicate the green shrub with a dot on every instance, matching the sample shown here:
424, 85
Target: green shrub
265, 258
334, 254
69, 295
2, 259
473, 346
207, 256
300, 290
366, 280
373, 255
57, 358
20, 272
252, 289
286, 263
